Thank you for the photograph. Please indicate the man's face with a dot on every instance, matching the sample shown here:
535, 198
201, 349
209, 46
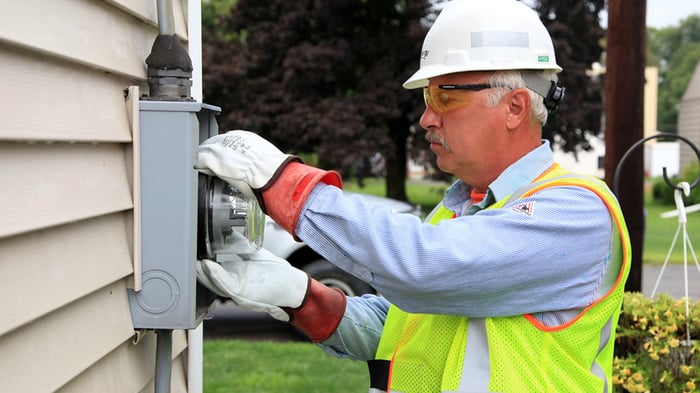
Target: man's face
464, 132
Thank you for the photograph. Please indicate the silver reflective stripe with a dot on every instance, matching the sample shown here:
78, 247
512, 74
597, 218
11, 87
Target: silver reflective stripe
373, 390
596, 370
522, 190
476, 370
612, 273
609, 279
432, 212
500, 38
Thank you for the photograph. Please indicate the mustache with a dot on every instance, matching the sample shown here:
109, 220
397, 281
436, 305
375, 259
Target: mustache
432, 137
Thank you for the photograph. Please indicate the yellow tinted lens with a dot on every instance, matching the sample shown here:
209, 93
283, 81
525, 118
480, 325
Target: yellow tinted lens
442, 101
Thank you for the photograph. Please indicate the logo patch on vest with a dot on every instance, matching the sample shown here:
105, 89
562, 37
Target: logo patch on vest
526, 208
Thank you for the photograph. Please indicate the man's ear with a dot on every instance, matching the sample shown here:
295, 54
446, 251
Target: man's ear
518, 108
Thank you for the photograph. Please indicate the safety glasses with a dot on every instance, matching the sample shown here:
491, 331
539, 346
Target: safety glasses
444, 98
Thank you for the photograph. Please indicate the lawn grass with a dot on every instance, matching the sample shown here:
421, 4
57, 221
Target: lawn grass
659, 233
425, 193
232, 366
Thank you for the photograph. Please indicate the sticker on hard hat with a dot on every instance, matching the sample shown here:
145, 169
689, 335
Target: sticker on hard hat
514, 39
543, 59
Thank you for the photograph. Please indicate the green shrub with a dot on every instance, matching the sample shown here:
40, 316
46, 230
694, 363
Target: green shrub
691, 173
654, 352
663, 194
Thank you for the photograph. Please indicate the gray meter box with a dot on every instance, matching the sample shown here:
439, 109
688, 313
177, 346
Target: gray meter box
170, 132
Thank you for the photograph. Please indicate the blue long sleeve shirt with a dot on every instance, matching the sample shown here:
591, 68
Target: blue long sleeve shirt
548, 260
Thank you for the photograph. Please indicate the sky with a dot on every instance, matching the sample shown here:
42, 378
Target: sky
661, 13
664, 13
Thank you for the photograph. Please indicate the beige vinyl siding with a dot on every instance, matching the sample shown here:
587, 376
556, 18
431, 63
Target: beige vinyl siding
134, 361
65, 196
689, 127
689, 120
57, 347
98, 34
55, 100
59, 183
60, 267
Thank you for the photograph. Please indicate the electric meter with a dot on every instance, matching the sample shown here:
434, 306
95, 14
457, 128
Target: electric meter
228, 222
183, 216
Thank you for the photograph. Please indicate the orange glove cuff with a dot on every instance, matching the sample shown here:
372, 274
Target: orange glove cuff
285, 197
320, 313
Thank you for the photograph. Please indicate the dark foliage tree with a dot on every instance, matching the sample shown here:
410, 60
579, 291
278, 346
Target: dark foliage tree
321, 76
325, 76
577, 34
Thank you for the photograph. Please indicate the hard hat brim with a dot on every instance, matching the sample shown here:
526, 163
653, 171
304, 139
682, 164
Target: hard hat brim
421, 77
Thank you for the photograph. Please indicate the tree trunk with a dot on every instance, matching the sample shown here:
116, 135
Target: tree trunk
624, 118
396, 164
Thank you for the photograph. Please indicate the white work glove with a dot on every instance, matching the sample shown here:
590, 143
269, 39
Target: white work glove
280, 182
258, 282
243, 159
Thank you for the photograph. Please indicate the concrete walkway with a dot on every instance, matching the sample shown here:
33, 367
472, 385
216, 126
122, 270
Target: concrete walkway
672, 280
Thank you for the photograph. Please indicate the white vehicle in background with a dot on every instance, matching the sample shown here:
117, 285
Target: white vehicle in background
300, 255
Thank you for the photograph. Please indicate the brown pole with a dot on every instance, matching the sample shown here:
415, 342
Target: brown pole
624, 117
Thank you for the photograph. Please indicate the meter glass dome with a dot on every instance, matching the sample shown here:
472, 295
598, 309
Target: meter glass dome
230, 223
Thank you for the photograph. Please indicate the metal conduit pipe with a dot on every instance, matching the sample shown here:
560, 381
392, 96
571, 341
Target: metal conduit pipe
164, 338
166, 20
164, 360
169, 65
169, 72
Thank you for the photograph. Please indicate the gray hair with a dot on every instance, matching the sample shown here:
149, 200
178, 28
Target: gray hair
514, 79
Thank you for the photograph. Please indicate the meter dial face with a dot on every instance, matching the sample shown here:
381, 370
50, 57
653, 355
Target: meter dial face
229, 222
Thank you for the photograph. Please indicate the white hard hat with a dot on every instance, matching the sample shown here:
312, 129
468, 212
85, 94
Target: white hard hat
484, 35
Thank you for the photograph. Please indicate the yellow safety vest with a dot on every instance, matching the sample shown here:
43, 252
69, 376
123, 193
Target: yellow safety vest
514, 354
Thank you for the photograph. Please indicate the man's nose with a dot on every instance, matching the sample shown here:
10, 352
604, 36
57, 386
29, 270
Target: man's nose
429, 119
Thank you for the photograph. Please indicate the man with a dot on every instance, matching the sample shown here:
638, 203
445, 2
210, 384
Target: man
514, 283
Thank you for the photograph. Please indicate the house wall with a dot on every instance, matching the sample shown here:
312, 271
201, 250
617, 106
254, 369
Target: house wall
65, 196
584, 162
689, 120
660, 155
651, 99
